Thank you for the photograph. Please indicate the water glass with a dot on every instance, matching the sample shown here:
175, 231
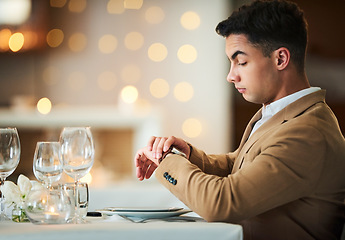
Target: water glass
81, 200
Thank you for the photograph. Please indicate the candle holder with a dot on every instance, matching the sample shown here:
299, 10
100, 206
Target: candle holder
48, 206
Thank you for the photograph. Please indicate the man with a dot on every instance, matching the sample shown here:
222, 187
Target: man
286, 179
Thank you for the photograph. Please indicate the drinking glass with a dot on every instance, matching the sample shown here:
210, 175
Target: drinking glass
77, 150
9, 159
48, 164
82, 197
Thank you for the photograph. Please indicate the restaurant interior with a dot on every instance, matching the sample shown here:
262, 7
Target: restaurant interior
130, 69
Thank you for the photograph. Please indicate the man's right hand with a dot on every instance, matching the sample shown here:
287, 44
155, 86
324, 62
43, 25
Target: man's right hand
160, 145
148, 158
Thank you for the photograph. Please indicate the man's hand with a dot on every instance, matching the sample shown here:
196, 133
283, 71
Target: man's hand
160, 145
148, 158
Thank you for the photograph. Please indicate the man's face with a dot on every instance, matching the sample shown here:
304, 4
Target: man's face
253, 74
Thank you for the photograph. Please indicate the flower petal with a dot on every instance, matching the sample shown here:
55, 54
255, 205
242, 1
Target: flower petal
24, 184
11, 192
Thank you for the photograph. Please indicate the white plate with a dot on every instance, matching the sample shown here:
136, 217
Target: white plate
142, 209
145, 213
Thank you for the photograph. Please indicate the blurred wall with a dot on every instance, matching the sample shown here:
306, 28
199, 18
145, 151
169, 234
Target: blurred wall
167, 50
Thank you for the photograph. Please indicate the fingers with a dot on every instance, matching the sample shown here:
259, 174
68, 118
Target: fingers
150, 142
144, 166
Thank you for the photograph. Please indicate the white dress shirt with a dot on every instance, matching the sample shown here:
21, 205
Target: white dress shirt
269, 110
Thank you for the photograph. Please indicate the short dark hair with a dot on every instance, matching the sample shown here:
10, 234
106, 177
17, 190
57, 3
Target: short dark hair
270, 25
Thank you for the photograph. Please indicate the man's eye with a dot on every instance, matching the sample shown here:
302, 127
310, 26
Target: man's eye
242, 64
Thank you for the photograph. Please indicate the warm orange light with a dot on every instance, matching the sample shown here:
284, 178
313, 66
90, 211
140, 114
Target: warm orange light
192, 127
16, 42
129, 94
5, 35
77, 6
190, 20
57, 3
133, 4
157, 52
44, 106
55, 37
77, 42
183, 91
115, 7
159, 88
187, 54
154, 15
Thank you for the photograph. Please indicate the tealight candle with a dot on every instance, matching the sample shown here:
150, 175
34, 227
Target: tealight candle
51, 215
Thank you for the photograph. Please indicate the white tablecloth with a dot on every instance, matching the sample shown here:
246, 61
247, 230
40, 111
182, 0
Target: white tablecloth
131, 194
121, 230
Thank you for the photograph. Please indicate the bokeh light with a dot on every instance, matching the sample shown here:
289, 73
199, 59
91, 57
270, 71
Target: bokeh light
77, 6
159, 88
55, 37
115, 7
190, 20
134, 41
192, 127
77, 42
157, 52
44, 106
133, 4
16, 42
187, 54
107, 81
5, 35
131, 73
107, 44
129, 94
57, 3
154, 15
183, 91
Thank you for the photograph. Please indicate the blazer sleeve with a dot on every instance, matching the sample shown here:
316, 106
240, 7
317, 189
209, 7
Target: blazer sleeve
220, 165
277, 175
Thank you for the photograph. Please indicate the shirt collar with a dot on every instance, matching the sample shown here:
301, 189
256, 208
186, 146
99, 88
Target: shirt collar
274, 107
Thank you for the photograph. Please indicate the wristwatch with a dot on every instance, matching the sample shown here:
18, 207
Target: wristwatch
172, 150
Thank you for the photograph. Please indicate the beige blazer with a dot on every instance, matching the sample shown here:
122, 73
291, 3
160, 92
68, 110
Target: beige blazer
287, 181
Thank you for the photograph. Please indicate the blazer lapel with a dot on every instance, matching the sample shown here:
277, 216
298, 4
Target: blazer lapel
289, 112
245, 136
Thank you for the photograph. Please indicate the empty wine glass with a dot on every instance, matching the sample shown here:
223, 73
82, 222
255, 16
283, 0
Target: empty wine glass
77, 150
9, 159
47, 165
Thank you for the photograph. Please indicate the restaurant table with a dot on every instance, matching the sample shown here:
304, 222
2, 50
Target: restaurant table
122, 229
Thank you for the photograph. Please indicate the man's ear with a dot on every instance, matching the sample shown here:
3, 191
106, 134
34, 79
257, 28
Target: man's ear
282, 56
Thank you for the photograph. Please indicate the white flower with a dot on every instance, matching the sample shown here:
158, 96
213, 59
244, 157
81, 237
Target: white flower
11, 192
17, 193
24, 185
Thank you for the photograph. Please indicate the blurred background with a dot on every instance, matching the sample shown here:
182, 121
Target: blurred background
135, 68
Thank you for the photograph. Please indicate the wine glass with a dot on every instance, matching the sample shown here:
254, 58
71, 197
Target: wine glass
47, 165
77, 150
9, 159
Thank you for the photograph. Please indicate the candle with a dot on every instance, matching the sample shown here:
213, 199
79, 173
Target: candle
51, 215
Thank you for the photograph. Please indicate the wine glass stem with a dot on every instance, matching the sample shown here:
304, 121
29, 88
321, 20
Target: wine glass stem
2, 199
76, 214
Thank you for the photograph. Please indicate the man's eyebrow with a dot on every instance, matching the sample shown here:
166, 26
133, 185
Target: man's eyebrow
237, 53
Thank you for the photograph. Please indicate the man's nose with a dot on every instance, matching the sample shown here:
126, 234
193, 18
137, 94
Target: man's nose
232, 76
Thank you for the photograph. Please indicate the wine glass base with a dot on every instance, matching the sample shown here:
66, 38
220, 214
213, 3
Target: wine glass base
76, 220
